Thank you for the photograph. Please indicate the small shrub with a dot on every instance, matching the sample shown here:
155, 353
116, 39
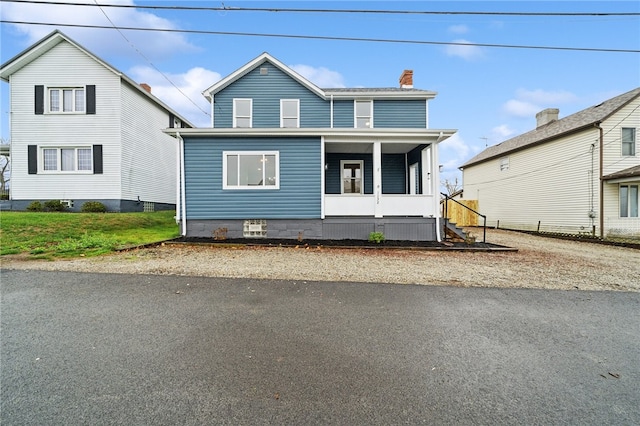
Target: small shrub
376, 237
55, 206
35, 206
93, 207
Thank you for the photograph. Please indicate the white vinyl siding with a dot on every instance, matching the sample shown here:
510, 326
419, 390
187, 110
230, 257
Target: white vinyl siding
290, 113
243, 113
64, 66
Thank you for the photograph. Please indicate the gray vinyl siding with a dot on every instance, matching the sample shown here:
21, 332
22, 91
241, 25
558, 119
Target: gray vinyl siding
343, 114
266, 92
299, 196
394, 174
332, 173
400, 114
65, 66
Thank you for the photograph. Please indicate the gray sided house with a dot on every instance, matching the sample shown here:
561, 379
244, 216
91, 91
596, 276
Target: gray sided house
83, 131
287, 159
579, 174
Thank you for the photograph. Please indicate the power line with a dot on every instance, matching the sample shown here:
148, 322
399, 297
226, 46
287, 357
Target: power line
332, 38
357, 11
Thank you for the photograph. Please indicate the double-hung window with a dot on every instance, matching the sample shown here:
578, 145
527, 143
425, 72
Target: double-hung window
363, 114
242, 113
629, 200
251, 169
290, 113
67, 159
66, 100
628, 141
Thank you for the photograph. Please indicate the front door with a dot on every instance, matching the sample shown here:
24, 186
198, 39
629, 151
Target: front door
351, 177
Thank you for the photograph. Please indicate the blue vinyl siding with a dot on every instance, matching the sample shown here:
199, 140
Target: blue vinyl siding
394, 174
401, 114
266, 92
332, 173
343, 114
299, 196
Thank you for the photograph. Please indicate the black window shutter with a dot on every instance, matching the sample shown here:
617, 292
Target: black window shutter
39, 100
32, 159
91, 99
97, 159
171, 120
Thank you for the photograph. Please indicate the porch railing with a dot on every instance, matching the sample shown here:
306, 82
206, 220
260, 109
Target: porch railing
445, 213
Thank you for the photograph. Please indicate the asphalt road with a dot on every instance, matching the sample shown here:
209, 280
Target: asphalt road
103, 349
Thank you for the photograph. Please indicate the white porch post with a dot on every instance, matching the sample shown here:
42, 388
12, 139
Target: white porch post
323, 161
377, 177
427, 170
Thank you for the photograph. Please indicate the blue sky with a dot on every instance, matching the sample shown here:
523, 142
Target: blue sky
489, 94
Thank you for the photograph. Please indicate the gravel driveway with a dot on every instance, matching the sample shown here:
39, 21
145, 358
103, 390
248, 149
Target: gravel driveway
539, 263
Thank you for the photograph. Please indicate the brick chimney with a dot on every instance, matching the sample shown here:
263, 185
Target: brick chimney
146, 87
406, 79
546, 116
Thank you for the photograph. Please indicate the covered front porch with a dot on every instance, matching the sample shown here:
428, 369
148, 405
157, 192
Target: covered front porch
380, 179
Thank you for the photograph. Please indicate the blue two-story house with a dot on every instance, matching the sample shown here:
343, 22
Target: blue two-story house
286, 159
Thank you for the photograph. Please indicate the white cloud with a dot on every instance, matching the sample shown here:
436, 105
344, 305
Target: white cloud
501, 132
464, 49
152, 44
458, 29
189, 88
321, 76
528, 103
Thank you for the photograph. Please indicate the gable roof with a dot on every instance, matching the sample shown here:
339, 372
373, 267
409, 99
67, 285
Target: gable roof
337, 93
572, 123
41, 47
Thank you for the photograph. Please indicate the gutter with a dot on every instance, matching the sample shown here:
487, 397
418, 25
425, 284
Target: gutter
182, 205
601, 176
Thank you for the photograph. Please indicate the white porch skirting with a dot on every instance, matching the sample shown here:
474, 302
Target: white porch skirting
379, 205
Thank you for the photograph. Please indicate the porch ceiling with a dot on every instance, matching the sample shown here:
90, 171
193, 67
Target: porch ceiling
367, 148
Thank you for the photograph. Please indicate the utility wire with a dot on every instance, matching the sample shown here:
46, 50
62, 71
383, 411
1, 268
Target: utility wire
358, 11
333, 38
149, 61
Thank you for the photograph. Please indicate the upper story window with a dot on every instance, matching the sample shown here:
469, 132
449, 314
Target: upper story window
504, 164
251, 169
66, 100
628, 200
363, 114
243, 113
290, 113
67, 159
628, 141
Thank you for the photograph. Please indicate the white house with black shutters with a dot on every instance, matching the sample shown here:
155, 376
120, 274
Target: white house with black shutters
83, 131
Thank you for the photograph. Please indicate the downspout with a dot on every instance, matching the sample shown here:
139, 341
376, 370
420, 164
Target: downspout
435, 159
601, 175
183, 201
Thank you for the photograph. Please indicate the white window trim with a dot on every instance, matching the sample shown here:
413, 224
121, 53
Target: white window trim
59, 170
282, 116
628, 216
356, 116
61, 90
263, 187
235, 124
342, 163
504, 164
634, 143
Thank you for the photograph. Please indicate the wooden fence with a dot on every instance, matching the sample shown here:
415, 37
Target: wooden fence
461, 216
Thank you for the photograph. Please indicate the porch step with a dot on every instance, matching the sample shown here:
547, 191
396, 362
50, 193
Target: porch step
455, 233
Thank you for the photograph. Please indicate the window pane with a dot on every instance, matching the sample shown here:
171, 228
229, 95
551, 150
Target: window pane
290, 122
270, 170
50, 159
54, 100
251, 170
243, 122
67, 101
243, 108
633, 201
232, 170
290, 109
68, 156
79, 99
624, 201
84, 159
363, 109
363, 123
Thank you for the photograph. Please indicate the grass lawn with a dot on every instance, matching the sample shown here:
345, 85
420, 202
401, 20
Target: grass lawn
55, 235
